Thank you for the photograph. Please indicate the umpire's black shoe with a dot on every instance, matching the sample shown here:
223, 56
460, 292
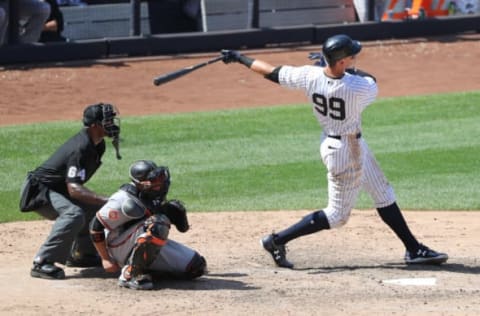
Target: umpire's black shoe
278, 252
84, 261
46, 270
425, 255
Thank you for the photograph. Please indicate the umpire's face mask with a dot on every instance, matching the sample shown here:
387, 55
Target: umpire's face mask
111, 126
111, 121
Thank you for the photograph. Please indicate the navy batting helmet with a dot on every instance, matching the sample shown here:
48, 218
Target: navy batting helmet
338, 47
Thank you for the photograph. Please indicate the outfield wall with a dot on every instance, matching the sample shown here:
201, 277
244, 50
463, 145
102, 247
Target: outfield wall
169, 44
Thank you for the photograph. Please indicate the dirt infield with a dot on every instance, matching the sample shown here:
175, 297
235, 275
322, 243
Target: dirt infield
338, 272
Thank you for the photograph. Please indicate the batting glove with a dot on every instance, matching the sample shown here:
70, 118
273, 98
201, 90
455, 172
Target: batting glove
230, 56
319, 59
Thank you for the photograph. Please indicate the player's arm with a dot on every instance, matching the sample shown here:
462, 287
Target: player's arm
259, 66
97, 234
75, 179
82, 193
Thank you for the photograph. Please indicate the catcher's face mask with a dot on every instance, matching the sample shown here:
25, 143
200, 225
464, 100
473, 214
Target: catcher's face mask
159, 183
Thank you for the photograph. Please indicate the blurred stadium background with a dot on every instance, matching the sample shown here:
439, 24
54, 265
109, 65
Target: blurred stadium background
111, 28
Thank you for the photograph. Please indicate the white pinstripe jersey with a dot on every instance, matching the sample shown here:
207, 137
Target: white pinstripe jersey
337, 103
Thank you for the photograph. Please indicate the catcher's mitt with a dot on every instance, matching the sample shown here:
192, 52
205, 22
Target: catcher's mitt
176, 212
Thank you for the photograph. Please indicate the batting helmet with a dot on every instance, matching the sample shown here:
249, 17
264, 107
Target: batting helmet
152, 180
338, 47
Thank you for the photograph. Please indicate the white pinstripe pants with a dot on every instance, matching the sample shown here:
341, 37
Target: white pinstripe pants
351, 166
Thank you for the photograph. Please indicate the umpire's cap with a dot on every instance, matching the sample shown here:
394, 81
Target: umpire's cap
93, 114
340, 46
98, 113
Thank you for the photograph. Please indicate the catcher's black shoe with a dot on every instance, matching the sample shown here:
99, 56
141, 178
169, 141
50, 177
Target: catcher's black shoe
425, 255
84, 261
46, 270
278, 252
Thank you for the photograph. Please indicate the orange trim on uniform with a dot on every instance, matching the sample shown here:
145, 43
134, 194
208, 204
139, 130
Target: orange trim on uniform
151, 239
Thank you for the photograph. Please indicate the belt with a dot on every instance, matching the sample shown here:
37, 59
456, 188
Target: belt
358, 135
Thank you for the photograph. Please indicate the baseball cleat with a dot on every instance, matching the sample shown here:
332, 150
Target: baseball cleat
47, 270
139, 282
425, 255
278, 252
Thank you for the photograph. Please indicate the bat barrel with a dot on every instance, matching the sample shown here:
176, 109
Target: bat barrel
182, 72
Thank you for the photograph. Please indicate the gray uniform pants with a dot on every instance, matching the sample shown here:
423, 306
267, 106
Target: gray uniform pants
69, 231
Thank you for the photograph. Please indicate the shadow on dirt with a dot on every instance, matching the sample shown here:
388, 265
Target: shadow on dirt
450, 267
205, 283
93, 273
214, 281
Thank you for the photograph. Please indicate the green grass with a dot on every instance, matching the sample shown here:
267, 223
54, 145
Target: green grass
267, 158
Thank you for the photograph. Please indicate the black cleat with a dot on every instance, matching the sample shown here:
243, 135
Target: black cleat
47, 270
425, 255
278, 252
84, 261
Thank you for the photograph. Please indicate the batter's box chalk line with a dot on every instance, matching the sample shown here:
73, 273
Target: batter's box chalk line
412, 281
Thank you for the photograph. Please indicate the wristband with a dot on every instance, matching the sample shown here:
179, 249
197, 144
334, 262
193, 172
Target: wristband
97, 236
247, 61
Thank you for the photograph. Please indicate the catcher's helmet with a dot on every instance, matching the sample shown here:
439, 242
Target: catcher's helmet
338, 47
152, 180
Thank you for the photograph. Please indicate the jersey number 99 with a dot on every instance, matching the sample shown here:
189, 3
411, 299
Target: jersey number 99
333, 107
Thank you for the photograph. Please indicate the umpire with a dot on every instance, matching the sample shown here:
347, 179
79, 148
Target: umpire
56, 191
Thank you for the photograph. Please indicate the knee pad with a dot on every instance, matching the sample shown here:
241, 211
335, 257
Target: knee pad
196, 268
157, 227
143, 254
149, 243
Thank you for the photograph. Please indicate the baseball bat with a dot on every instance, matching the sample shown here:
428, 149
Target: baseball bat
182, 72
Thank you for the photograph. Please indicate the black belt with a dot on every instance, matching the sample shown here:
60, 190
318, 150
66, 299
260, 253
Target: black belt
358, 135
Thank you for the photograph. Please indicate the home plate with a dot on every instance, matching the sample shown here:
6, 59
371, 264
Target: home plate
412, 281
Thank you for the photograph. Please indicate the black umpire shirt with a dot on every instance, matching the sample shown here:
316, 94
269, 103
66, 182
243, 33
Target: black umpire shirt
75, 162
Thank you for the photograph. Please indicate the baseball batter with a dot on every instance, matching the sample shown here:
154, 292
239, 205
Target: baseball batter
339, 93
131, 231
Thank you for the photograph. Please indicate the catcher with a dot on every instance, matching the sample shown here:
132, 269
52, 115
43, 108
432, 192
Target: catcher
130, 232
